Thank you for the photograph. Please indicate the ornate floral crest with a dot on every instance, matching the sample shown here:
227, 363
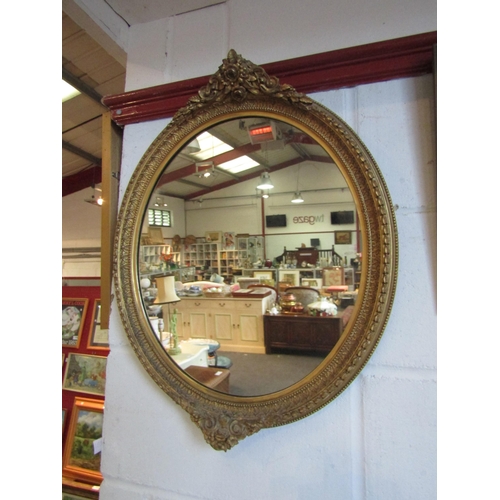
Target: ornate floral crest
237, 80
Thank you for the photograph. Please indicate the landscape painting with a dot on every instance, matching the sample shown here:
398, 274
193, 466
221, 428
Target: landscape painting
85, 373
84, 453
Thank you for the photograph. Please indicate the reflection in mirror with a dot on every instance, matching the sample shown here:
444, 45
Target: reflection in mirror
248, 286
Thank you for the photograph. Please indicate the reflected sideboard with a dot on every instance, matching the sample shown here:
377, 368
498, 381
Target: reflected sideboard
301, 333
236, 323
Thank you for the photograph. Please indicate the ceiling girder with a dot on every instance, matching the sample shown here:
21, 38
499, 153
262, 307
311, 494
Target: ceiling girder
253, 175
222, 158
81, 86
81, 153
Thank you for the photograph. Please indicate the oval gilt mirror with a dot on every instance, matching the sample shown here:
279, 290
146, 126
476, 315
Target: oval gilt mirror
259, 310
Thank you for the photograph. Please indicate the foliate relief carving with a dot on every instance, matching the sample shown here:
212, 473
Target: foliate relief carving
237, 80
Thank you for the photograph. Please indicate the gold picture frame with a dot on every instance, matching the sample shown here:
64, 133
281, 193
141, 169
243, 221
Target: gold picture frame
263, 275
98, 338
333, 276
85, 373
74, 311
290, 276
343, 237
82, 451
155, 236
312, 282
213, 236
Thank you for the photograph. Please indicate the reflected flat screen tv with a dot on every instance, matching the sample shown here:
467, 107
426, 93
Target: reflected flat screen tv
345, 217
276, 220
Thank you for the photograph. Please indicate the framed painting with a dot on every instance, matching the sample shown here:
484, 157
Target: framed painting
82, 452
156, 236
290, 277
312, 282
213, 236
263, 275
343, 237
72, 496
333, 276
229, 241
73, 319
85, 373
98, 338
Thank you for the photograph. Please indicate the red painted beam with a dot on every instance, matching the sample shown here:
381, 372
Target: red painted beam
380, 61
188, 170
81, 180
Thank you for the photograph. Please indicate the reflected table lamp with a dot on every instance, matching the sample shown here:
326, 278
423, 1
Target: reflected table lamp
166, 296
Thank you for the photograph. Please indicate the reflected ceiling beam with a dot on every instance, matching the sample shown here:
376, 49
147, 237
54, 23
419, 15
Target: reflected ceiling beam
300, 138
321, 159
81, 153
191, 183
81, 86
188, 170
243, 178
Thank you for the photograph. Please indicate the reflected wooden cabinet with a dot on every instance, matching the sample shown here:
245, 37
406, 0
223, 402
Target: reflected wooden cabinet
236, 323
301, 333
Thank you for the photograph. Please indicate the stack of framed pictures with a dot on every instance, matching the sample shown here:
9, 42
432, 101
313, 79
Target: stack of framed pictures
85, 347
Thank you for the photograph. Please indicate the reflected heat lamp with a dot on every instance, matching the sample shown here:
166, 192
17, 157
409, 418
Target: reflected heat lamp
263, 132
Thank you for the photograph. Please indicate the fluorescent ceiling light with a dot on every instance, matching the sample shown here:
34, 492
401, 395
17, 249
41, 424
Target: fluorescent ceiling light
238, 164
210, 146
68, 92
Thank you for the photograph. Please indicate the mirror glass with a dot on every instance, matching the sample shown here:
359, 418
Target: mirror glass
218, 254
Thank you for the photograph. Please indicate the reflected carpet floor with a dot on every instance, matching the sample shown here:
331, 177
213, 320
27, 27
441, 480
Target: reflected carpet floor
257, 374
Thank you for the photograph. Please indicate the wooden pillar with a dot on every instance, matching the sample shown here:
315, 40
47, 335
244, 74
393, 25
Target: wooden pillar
111, 160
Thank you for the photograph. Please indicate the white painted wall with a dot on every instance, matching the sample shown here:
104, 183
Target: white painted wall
81, 221
377, 440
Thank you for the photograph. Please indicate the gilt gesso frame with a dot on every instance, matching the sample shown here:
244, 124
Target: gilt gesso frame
238, 89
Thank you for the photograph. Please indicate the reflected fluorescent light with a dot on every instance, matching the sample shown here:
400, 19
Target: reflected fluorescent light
210, 147
238, 164
297, 198
265, 181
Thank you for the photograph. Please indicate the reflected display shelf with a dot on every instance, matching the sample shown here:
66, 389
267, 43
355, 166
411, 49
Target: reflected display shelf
202, 255
152, 261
